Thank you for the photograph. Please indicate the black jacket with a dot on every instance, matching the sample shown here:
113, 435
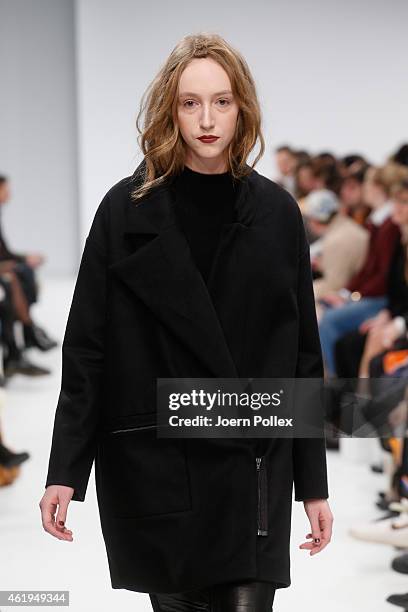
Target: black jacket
182, 514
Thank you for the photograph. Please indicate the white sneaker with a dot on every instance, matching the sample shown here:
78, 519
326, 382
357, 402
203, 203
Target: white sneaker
392, 531
399, 506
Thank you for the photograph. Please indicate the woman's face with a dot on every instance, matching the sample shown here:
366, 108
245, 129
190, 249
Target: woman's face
351, 192
286, 162
206, 106
305, 179
400, 208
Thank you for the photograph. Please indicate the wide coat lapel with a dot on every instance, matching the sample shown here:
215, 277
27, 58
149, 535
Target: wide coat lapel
163, 274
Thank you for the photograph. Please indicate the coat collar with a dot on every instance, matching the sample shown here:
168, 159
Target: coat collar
163, 274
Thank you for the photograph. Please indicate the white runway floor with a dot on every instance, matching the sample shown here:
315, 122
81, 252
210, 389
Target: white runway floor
348, 575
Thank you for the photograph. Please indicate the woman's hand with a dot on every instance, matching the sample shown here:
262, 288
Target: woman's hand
379, 320
321, 521
56, 495
334, 299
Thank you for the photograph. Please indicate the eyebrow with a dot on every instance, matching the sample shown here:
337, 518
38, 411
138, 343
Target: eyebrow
191, 93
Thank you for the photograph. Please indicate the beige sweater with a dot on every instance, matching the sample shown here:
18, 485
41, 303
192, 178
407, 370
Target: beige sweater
343, 250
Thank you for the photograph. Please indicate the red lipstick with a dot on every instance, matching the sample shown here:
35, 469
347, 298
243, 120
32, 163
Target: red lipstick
208, 138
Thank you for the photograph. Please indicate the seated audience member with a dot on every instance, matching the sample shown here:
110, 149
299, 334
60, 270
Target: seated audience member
304, 181
14, 360
326, 174
365, 294
341, 248
355, 351
286, 162
20, 270
351, 196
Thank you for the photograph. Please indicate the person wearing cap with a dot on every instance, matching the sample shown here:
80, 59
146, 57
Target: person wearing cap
341, 247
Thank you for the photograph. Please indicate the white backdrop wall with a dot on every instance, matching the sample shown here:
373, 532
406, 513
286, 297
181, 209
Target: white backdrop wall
330, 75
38, 144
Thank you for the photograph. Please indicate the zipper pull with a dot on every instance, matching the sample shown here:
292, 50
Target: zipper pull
258, 463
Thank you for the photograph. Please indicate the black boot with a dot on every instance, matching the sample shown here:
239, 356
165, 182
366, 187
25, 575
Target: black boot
399, 600
9, 459
19, 364
35, 336
400, 564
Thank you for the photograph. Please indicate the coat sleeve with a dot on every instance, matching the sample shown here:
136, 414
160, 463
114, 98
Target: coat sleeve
309, 454
73, 443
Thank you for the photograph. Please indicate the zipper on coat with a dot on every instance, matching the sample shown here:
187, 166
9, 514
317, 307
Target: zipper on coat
262, 496
114, 431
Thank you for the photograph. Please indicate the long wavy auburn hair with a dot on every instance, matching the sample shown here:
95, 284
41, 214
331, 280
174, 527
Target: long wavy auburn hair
160, 139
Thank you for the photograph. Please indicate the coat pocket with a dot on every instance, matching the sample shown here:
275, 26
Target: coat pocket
141, 475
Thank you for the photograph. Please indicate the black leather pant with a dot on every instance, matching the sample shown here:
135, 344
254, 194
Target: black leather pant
248, 596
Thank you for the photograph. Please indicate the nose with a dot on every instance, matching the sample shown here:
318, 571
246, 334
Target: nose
206, 117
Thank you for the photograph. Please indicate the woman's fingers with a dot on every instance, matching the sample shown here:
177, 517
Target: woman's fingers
314, 548
55, 525
309, 545
321, 523
327, 527
61, 514
49, 524
315, 525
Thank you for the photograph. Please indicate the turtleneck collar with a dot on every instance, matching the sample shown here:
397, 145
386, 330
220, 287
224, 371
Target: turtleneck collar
207, 193
195, 174
192, 179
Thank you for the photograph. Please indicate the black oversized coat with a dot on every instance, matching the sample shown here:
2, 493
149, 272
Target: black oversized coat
179, 514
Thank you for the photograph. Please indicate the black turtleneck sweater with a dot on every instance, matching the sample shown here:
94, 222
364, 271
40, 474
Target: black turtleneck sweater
204, 203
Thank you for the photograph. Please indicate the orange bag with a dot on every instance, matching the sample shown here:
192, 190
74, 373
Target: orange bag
394, 360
